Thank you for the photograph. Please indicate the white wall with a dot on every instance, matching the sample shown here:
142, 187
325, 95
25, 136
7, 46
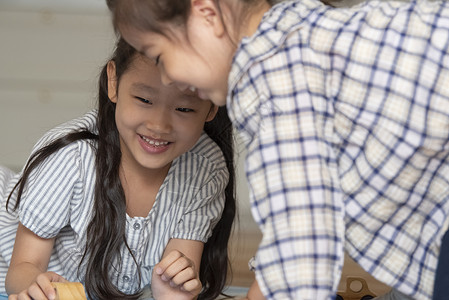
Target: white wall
49, 61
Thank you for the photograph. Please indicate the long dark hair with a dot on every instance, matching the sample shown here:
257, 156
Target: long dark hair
106, 230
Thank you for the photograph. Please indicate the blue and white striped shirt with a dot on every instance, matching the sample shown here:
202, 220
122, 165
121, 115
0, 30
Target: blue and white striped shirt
59, 196
345, 116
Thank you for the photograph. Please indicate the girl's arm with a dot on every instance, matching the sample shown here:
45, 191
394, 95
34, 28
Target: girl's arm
27, 273
254, 292
176, 275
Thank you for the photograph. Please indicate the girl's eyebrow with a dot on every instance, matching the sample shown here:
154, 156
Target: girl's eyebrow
143, 87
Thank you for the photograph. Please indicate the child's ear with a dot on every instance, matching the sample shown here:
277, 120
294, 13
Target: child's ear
212, 113
112, 81
209, 14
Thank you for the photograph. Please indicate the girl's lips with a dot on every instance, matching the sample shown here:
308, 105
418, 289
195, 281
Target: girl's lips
153, 145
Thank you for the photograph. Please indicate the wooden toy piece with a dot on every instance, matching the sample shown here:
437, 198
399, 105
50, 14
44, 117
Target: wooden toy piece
356, 289
69, 291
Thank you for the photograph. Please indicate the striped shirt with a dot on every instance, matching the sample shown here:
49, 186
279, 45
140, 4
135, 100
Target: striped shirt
8, 225
58, 202
345, 117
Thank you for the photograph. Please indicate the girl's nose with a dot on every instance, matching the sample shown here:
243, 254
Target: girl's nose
160, 122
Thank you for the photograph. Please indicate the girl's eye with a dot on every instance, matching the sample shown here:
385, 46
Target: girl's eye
144, 100
157, 60
184, 109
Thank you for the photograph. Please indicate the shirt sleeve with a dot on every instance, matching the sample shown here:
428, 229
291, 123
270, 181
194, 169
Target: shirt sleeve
295, 198
205, 208
8, 218
45, 207
293, 183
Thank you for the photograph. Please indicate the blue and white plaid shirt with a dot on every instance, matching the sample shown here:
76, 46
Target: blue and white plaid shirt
345, 117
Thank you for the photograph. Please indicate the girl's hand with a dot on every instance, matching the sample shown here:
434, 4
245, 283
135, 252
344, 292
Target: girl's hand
175, 277
40, 289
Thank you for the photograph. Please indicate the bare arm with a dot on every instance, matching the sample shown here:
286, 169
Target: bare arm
176, 275
254, 292
28, 269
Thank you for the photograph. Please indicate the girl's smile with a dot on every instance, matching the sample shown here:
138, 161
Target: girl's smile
156, 123
154, 146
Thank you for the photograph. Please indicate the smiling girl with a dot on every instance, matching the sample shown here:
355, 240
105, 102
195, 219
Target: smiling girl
132, 199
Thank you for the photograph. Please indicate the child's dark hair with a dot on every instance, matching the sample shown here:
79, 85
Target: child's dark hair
153, 16
106, 230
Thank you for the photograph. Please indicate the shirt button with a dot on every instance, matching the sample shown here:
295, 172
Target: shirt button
136, 226
125, 278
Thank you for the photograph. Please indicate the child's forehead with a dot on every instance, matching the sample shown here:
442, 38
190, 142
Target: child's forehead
141, 69
141, 64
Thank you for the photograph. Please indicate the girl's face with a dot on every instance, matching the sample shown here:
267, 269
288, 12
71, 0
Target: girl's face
196, 57
156, 123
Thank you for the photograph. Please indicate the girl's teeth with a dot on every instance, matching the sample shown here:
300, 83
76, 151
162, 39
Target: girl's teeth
192, 88
155, 143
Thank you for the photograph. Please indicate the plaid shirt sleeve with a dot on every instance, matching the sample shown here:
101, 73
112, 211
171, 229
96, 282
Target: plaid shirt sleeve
294, 190
309, 91
301, 251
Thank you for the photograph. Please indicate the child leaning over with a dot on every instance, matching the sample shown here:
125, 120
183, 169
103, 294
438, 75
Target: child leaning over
136, 194
345, 116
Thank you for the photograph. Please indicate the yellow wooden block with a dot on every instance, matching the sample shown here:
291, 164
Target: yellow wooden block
69, 291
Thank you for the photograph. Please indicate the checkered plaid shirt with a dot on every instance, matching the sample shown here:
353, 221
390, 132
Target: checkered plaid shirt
345, 118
